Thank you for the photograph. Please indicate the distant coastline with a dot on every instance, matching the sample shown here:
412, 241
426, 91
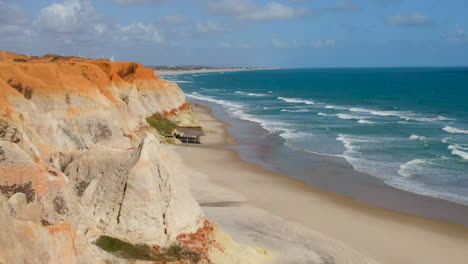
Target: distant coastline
172, 70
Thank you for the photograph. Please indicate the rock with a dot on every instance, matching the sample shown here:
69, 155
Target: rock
17, 201
78, 161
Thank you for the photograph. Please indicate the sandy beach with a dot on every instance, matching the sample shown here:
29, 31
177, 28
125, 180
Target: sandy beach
301, 224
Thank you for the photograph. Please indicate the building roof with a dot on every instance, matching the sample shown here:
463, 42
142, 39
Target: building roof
190, 131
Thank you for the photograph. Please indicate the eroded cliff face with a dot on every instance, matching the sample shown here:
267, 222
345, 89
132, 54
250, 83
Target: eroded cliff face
77, 161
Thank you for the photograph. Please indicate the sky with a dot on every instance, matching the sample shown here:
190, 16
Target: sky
257, 33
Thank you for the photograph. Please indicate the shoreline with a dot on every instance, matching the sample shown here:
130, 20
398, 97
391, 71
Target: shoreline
385, 235
168, 72
336, 175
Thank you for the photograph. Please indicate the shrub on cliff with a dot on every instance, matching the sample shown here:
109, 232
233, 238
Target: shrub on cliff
163, 125
20, 60
127, 250
124, 249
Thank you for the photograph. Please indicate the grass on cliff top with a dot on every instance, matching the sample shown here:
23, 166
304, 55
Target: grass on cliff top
127, 250
163, 125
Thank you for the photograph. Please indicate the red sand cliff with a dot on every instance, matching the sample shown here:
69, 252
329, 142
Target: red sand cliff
21, 75
78, 160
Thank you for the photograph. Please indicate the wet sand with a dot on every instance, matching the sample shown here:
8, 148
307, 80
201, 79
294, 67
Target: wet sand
343, 230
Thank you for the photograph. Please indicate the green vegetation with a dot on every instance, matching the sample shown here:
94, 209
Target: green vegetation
124, 249
179, 253
55, 58
163, 125
20, 60
127, 250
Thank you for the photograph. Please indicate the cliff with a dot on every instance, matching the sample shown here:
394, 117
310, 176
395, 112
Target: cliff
78, 162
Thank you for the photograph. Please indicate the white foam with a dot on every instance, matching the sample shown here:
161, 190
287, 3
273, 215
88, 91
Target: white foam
379, 113
426, 119
229, 105
182, 81
249, 94
237, 110
347, 116
206, 89
291, 134
456, 146
405, 115
412, 168
348, 142
296, 100
296, 111
270, 92
364, 121
457, 150
342, 116
270, 125
335, 107
416, 137
454, 130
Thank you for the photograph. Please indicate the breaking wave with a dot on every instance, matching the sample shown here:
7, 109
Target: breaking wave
249, 94
296, 111
454, 130
296, 100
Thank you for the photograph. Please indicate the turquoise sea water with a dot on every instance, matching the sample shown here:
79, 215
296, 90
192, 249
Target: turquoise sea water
405, 126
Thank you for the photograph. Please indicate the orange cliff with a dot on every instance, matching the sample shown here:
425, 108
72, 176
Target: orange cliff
69, 148
78, 161
29, 77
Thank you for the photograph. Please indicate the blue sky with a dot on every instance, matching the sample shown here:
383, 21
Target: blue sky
277, 33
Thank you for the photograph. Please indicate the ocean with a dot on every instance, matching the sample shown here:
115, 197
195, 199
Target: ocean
407, 127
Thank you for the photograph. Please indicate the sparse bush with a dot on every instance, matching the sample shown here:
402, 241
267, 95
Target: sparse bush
127, 250
124, 249
54, 58
163, 125
20, 60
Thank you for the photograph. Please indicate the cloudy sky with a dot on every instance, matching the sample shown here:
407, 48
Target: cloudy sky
276, 33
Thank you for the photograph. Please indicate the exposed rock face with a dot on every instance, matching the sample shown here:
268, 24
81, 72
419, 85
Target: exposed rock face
76, 162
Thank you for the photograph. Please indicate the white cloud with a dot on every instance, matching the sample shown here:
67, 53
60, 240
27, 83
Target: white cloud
229, 45
100, 28
11, 16
78, 21
136, 2
413, 19
339, 7
459, 35
141, 32
175, 20
459, 30
345, 6
209, 27
71, 16
248, 10
224, 45
13, 21
328, 43
279, 44
283, 44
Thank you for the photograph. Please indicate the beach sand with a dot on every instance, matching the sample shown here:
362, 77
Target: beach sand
301, 224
